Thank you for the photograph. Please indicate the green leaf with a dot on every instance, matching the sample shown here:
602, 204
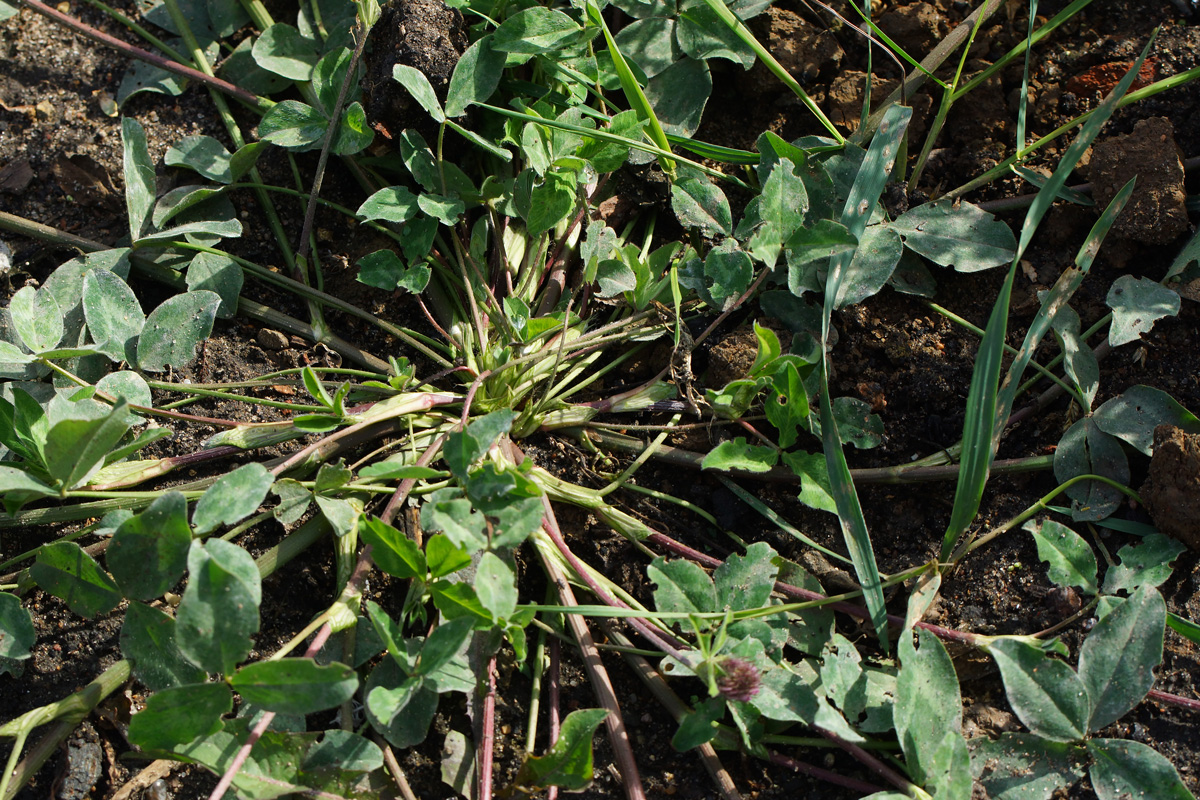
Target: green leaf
293, 125
219, 274
1079, 361
928, 706
144, 77
874, 260
678, 95
1086, 449
816, 490
730, 272
444, 557
148, 641
396, 470
787, 404
743, 582
174, 329
149, 551
76, 448
535, 30
328, 76
354, 132
444, 209
464, 448
1071, 561
1118, 658
458, 601
233, 497
476, 76
204, 154
16, 629
342, 515
1133, 415
698, 202
295, 685
219, 610
114, 316
781, 208
1137, 303
294, 500
496, 586
568, 764
682, 586
140, 187
1123, 769
824, 239
957, 234
444, 644
550, 202
392, 552
393, 204
1045, 693
345, 750
446, 510
224, 228
179, 200
739, 454
1022, 766
37, 318
699, 726
649, 42
179, 715
281, 49
421, 90
1146, 563
65, 571
245, 157
702, 34
403, 713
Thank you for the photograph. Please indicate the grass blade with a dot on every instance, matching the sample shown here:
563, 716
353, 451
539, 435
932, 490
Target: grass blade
986, 414
633, 90
864, 194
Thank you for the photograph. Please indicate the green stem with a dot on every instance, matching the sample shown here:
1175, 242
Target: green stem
69, 712
970, 544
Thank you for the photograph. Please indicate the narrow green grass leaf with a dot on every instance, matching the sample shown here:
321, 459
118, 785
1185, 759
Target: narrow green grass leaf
986, 414
868, 184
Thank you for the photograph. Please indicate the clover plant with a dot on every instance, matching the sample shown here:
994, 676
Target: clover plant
487, 194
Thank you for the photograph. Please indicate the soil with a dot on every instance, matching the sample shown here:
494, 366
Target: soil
60, 164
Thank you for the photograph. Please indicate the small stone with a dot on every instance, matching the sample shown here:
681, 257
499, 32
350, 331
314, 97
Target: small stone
271, 340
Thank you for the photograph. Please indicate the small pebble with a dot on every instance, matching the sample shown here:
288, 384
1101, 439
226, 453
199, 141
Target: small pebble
271, 340
158, 791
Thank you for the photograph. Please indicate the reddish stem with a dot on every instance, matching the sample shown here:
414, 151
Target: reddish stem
487, 738
823, 774
552, 713
243, 753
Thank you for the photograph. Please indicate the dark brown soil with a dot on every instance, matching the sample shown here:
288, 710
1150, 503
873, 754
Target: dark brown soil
60, 164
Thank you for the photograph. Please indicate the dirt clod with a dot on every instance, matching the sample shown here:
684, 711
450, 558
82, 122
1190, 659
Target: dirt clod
1156, 213
1172, 490
916, 28
424, 34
